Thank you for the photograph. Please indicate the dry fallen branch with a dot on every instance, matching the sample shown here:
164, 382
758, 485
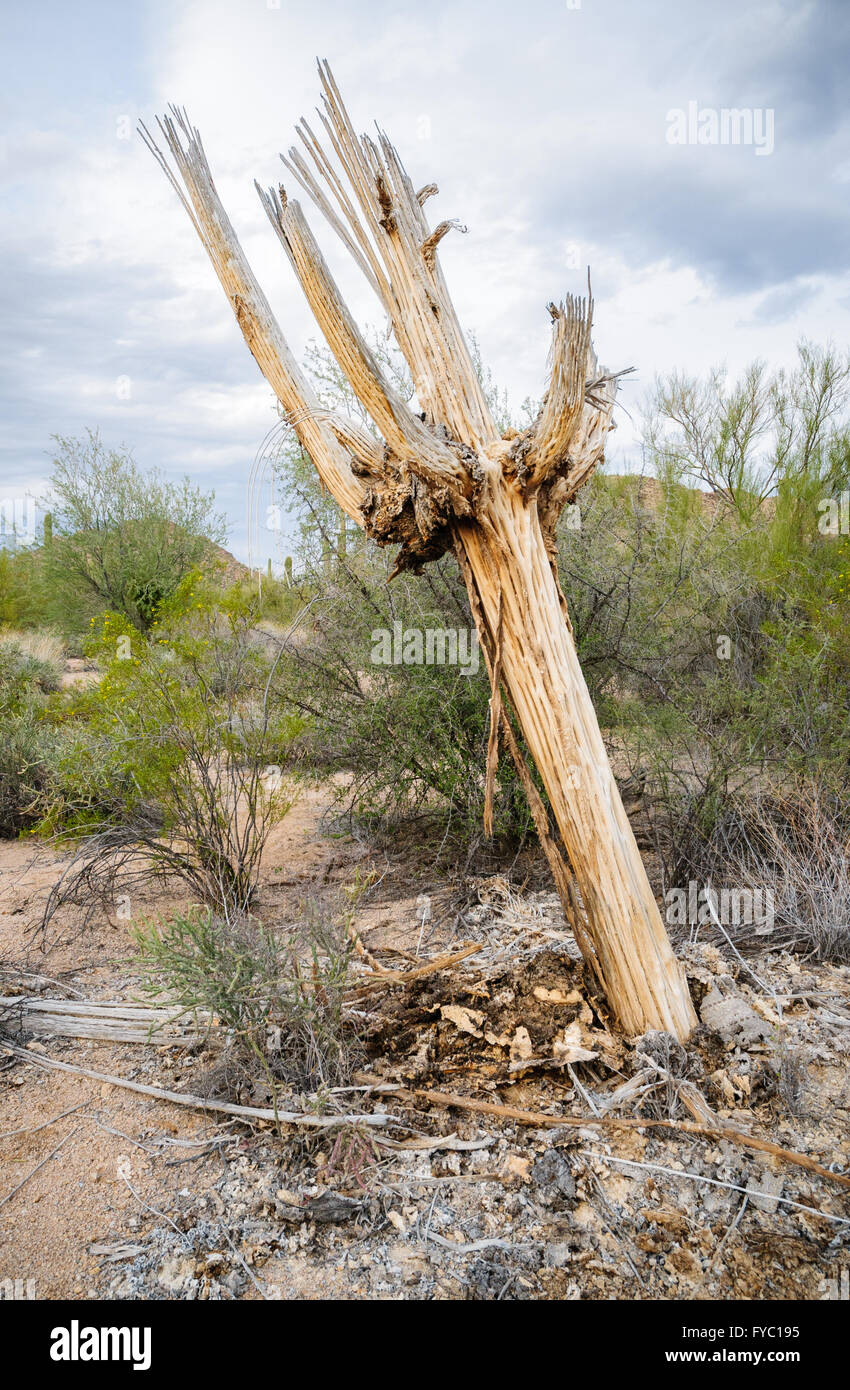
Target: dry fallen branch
684, 1176
420, 972
247, 1112
540, 1120
109, 1022
36, 1129
32, 1173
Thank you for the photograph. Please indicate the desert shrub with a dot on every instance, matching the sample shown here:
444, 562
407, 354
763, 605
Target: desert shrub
779, 853
23, 597
274, 601
277, 992
29, 670
792, 844
412, 736
122, 540
168, 767
26, 748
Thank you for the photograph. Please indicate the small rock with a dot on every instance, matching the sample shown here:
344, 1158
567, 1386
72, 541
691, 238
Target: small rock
764, 1191
175, 1272
683, 1262
731, 1016
557, 1255
331, 1206
515, 1166
521, 1048
553, 1170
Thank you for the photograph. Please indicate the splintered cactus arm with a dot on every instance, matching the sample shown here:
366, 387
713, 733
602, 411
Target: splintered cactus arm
260, 329
564, 403
361, 187
403, 431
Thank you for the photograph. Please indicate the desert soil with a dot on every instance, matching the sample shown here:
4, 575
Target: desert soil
139, 1198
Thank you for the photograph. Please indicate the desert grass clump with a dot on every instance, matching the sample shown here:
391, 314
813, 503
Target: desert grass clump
786, 848
43, 644
801, 844
30, 663
278, 993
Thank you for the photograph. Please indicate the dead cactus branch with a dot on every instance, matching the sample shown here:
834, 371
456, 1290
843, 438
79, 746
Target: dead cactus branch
430, 244
253, 313
572, 362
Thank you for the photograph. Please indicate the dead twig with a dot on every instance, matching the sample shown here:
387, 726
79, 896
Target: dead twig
250, 1273
12, 1133
142, 1203
248, 1112
540, 1120
52, 1154
683, 1174
404, 977
730, 1231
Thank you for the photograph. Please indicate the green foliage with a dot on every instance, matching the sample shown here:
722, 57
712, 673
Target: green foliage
275, 602
412, 737
749, 438
24, 751
279, 995
23, 598
167, 766
28, 673
121, 539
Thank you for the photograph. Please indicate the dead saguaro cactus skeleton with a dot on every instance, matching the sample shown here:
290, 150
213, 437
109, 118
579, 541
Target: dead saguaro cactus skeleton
444, 479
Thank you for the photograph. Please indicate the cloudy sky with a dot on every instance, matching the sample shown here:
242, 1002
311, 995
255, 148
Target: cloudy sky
546, 125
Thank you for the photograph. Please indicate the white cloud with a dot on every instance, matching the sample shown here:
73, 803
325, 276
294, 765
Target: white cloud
545, 129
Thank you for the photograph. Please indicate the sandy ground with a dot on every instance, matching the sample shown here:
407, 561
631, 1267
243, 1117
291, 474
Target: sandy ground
85, 1194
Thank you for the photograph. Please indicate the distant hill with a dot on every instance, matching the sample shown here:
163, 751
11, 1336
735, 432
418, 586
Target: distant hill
650, 493
233, 570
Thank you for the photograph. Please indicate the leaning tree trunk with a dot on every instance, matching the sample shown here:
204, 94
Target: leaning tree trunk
539, 665
444, 479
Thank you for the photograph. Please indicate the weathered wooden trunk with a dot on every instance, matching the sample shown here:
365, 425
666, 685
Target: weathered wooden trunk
444, 479
547, 689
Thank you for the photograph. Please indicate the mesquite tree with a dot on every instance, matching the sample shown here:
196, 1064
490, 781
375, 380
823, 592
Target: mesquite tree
445, 479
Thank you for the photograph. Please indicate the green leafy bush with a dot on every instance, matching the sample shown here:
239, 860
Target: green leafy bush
26, 747
122, 540
167, 768
412, 736
28, 672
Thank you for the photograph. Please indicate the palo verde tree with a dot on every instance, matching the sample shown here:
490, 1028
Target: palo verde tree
123, 539
444, 478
